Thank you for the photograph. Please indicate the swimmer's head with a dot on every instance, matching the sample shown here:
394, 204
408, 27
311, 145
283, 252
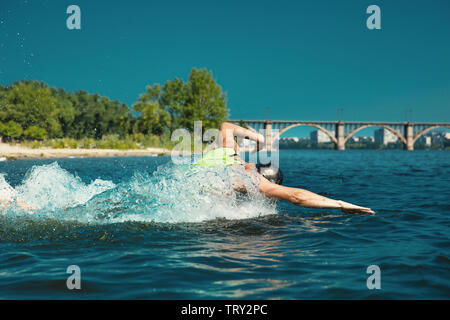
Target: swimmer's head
270, 172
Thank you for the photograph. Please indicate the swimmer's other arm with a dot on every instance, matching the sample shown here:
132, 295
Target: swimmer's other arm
308, 199
229, 130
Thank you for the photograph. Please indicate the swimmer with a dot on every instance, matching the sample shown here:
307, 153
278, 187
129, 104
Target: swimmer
226, 153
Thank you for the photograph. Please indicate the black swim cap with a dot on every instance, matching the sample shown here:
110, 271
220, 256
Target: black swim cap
270, 172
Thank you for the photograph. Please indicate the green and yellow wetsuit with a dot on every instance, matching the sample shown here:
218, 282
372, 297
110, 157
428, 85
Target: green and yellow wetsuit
218, 157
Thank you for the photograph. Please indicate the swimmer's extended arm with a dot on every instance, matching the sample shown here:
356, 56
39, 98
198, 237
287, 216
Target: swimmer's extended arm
229, 131
308, 199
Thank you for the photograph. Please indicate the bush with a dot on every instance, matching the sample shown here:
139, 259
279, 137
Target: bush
36, 145
107, 142
12, 130
70, 143
35, 133
32, 144
113, 142
58, 144
151, 141
139, 137
87, 143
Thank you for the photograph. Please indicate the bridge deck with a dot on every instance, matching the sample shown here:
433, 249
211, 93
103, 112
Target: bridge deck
344, 122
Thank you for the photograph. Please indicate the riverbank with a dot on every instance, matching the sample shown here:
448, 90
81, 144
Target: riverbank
9, 152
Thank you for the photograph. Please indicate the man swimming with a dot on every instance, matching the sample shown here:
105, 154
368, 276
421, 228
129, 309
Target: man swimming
227, 154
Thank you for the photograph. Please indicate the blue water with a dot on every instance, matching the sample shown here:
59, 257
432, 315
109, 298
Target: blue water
139, 228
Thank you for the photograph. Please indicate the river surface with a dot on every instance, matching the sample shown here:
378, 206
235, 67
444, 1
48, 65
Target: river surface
141, 228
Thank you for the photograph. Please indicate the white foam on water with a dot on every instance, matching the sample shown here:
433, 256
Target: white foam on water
50, 187
7, 193
175, 194
172, 194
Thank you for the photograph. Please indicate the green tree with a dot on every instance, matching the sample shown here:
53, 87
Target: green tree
66, 106
2, 131
30, 103
172, 98
153, 119
205, 101
200, 98
96, 116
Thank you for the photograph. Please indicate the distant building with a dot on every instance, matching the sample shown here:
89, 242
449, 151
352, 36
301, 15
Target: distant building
366, 139
437, 138
426, 140
447, 139
353, 139
384, 136
318, 136
292, 139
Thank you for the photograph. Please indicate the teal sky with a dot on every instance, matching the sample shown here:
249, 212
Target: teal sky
303, 59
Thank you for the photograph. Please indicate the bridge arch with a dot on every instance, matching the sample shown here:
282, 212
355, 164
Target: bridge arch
319, 127
395, 132
422, 132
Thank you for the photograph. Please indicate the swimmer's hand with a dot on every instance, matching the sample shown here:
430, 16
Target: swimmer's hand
351, 208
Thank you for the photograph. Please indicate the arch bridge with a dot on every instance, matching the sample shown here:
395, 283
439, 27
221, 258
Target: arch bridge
340, 131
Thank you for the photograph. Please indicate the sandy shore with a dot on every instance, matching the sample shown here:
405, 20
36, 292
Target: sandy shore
8, 152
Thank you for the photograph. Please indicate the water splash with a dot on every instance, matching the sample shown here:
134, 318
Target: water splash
171, 194
49, 187
7, 193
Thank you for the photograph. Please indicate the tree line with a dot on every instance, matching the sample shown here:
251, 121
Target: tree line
31, 110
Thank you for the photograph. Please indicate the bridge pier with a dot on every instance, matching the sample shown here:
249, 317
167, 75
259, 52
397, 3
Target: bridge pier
340, 136
268, 135
409, 136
